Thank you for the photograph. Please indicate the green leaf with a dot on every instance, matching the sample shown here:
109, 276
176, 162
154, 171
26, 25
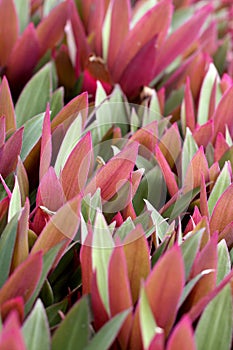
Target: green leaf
70, 140
189, 250
35, 96
23, 12
7, 243
15, 201
31, 135
57, 102
189, 150
223, 181
126, 227
53, 312
147, 322
191, 284
73, 332
101, 251
205, 95
214, 329
103, 111
224, 261
106, 335
49, 5
48, 261
36, 329
160, 223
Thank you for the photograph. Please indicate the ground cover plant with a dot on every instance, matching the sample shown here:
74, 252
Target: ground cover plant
116, 155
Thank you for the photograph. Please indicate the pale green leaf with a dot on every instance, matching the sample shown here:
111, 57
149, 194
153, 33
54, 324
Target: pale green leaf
106, 31
214, 329
224, 261
101, 251
57, 102
189, 149
23, 12
36, 329
221, 184
160, 223
106, 335
189, 250
31, 135
15, 201
35, 95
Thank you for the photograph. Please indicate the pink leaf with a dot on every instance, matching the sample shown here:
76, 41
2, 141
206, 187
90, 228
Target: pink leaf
46, 145
2, 130
99, 311
11, 337
169, 273
75, 172
154, 23
26, 49
115, 172
51, 29
86, 264
120, 14
157, 342
181, 39
62, 227
133, 78
189, 106
16, 305
146, 137
9, 153
203, 198
50, 193
221, 147
223, 212
67, 115
9, 29
182, 337
203, 134
95, 24
197, 166
6, 106
167, 173
24, 279
120, 297
170, 145
137, 259
223, 114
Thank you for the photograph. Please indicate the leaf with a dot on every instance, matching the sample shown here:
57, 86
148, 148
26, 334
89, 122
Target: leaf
52, 311
214, 329
31, 135
11, 336
46, 145
155, 22
209, 83
7, 242
218, 221
106, 335
113, 173
23, 12
223, 113
73, 332
57, 101
18, 74
147, 322
181, 39
120, 13
224, 262
188, 152
222, 183
102, 246
137, 259
48, 260
62, 227
132, 78
78, 105
7, 106
80, 158
160, 223
182, 336
169, 273
69, 142
35, 96
9, 153
120, 298
189, 249
16, 286
8, 29
15, 201
195, 169
36, 329
51, 29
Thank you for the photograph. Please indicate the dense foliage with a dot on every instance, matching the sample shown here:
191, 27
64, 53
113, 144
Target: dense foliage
116, 158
